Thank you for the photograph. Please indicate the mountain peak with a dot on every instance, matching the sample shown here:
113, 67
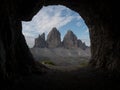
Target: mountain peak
40, 41
54, 28
69, 31
54, 40
70, 40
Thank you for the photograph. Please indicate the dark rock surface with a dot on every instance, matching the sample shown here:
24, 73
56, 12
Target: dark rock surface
15, 57
53, 38
40, 41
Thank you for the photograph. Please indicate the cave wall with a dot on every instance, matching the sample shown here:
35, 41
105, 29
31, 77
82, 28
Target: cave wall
104, 35
15, 57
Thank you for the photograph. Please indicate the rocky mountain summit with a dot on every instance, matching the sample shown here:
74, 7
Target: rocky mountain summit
70, 40
40, 41
54, 38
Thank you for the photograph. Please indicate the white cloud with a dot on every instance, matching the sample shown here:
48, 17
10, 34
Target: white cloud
78, 17
30, 41
87, 31
79, 24
87, 41
47, 18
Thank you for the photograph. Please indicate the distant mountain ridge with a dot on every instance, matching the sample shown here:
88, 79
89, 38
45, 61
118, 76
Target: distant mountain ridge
70, 40
69, 52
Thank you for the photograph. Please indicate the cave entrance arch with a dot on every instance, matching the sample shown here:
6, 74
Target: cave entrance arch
63, 19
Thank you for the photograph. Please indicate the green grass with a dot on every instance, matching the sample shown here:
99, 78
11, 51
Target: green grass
47, 62
83, 64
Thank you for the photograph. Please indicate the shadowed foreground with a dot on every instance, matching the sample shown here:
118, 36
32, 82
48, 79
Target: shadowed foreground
82, 79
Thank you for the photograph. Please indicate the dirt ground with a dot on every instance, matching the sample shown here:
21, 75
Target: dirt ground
81, 79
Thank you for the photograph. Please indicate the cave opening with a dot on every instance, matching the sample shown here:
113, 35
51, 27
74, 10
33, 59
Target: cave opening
58, 37
18, 69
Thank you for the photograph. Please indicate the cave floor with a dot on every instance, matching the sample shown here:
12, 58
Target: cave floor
82, 79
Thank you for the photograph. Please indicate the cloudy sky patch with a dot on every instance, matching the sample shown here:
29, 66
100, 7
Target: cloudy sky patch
58, 16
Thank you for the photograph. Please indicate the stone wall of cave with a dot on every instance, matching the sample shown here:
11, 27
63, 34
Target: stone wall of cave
104, 35
15, 57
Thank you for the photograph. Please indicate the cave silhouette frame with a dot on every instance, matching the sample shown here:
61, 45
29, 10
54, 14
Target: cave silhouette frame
104, 35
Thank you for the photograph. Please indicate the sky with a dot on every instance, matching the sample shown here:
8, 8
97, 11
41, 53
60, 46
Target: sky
58, 16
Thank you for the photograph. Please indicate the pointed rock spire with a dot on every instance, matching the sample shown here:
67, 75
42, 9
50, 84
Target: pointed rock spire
70, 40
40, 41
54, 38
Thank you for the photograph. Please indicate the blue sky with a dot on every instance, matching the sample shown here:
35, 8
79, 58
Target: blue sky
58, 16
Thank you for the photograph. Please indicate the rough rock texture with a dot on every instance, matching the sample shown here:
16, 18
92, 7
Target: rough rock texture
70, 40
53, 38
81, 44
40, 41
99, 15
15, 57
